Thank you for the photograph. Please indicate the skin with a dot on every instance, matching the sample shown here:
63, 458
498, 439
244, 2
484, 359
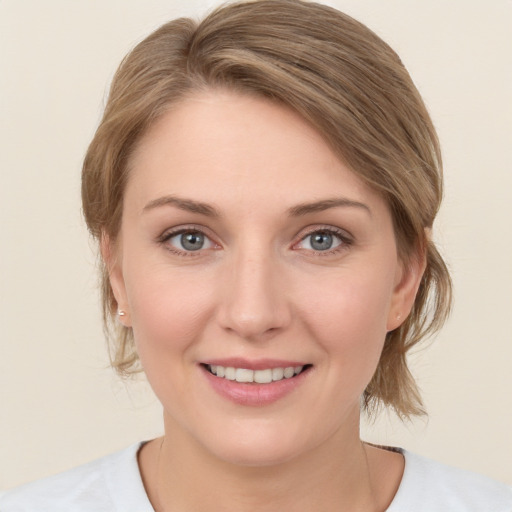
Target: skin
257, 289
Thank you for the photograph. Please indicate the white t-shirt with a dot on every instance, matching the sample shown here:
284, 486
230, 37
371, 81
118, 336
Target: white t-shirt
113, 484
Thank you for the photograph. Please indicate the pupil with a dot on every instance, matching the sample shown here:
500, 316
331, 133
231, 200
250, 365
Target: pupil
192, 241
321, 241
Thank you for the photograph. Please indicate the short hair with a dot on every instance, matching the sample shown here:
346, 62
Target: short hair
345, 82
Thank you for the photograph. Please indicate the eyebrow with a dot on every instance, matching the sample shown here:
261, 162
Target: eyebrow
299, 210
188, 205
326, 204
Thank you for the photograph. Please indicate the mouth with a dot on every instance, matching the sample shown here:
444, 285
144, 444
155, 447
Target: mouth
256, 382
261, 376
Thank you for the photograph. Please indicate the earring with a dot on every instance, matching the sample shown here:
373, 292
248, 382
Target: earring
120, 312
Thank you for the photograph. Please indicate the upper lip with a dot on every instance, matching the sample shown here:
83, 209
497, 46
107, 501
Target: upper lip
252, 364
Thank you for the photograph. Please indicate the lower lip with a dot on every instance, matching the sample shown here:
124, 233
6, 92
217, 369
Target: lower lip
253, 394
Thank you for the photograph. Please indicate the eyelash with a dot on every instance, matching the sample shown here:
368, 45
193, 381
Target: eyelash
168, 235
345, 240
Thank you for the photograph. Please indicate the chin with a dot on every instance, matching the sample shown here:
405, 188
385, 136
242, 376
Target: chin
259, 444
255, 454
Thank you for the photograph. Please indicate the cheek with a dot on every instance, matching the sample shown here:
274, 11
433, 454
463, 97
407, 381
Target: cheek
168, 310
348, 318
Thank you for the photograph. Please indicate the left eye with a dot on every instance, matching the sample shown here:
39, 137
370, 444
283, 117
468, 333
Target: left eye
320, 241
190, 241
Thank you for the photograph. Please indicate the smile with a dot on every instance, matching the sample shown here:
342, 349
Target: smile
245, 375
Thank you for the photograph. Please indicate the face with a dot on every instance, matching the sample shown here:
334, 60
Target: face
260, 277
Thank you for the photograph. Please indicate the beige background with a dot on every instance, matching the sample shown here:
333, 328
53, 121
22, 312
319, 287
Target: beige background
60, 405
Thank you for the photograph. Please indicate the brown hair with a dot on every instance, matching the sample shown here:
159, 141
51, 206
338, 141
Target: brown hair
341, 78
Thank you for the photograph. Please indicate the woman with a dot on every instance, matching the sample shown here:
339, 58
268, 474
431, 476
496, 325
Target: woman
262, 187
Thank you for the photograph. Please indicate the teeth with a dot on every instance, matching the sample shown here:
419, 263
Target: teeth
229, 373
277, 373
289, 372
263, 376
243, 375
259, 376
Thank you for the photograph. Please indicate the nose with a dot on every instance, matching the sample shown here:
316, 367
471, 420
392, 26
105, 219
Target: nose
254, 297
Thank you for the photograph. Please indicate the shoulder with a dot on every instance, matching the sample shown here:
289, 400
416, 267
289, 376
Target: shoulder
111, 483
429, 486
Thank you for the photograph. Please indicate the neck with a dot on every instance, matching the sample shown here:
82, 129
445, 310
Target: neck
335, 476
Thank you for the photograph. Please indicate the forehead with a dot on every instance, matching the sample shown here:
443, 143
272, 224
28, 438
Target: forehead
219, 146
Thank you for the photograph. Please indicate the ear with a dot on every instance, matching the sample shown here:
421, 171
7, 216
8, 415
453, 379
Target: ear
110, 253
407, 282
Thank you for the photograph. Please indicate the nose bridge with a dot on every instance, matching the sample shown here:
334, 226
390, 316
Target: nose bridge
254, 302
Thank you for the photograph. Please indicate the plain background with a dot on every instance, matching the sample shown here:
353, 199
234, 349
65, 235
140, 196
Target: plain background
60, 405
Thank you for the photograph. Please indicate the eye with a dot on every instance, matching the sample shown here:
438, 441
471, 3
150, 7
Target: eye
322, 240
188, 241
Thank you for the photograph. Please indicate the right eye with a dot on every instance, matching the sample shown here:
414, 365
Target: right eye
188, 241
